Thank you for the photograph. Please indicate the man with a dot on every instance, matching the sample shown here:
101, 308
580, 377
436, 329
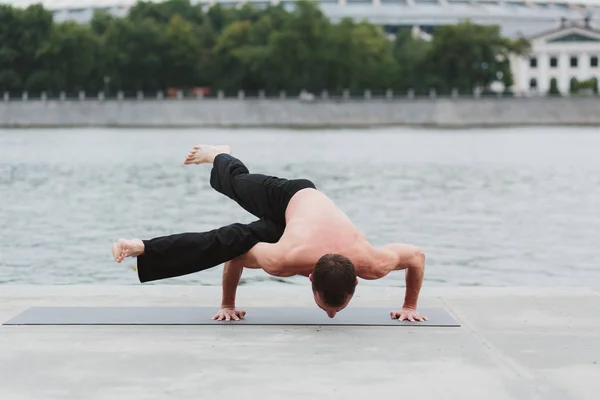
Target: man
300, 231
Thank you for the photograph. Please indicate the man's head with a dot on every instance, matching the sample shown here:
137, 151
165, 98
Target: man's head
333, 283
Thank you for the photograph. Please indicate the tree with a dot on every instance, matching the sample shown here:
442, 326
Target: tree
299, 51
10, 79
220, 17
360, 58
466, 56
410, 54
554, 87
22, 33
183, 54
574, 85
136, 54
207, 38
101, 21
589, 85
66, 59
248, 13
237, 59
164, 11
257, 57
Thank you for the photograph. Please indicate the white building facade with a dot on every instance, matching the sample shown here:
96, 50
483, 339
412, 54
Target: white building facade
570, 52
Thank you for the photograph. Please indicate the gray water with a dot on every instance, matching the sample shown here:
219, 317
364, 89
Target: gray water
489, 207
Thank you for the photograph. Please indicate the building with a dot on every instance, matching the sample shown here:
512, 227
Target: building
514, 16
569, 52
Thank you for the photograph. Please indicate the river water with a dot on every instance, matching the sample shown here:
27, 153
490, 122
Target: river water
518, 206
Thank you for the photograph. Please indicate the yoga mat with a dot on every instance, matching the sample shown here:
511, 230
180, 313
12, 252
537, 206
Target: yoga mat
202, 316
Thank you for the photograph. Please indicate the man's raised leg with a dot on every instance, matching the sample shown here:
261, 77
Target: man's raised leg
264, 196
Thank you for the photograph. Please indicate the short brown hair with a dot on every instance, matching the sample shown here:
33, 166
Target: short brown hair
334, 278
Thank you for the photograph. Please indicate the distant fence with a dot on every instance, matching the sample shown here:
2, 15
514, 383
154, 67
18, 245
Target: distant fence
306, 110
282, 95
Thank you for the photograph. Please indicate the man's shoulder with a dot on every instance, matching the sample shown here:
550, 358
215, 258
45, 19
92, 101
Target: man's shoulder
301, 254
375, 263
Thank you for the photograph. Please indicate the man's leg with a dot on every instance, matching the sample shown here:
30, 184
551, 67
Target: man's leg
264, 196
187, 253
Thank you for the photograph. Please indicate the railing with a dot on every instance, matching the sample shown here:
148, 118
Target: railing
324, 95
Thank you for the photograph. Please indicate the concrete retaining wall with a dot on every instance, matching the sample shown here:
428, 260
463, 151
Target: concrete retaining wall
460, 112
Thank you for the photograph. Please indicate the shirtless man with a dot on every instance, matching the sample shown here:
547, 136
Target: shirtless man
300, 232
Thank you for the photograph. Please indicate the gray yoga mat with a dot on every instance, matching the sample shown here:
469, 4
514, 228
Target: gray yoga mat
202, 316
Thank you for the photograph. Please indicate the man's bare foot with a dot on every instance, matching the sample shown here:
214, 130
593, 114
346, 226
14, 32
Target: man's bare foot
205, 154
127, 248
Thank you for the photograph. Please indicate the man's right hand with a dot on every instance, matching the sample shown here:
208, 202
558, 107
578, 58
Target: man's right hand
228, 314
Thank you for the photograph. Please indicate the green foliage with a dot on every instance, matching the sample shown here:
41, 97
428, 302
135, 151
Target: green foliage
411, 55
100, 23
182, 49
554, 87
177, 44
165, 11
590, 85
66, 59
466, 56
22, 33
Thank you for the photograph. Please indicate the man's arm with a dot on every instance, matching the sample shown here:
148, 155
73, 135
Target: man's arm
264, 256
232, 272
412, 259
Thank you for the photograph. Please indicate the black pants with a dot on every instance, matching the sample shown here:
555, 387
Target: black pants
266, 197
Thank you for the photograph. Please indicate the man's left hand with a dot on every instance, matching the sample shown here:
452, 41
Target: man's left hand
408, 314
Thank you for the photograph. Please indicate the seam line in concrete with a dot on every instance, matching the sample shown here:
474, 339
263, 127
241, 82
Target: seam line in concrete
504, 362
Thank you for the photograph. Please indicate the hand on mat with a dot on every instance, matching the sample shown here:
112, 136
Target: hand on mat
229, 314
408, 314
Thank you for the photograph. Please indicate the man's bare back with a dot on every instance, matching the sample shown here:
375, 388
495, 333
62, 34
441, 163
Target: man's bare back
316, 226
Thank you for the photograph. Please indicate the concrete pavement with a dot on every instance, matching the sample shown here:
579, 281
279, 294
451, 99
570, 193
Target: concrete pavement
514, 343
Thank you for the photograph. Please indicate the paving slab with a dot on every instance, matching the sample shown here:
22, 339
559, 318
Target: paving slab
513, 343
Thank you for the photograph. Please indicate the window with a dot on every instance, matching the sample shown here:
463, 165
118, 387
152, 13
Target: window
533, 62
574, 62
594, 61
553, 62
533, 83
